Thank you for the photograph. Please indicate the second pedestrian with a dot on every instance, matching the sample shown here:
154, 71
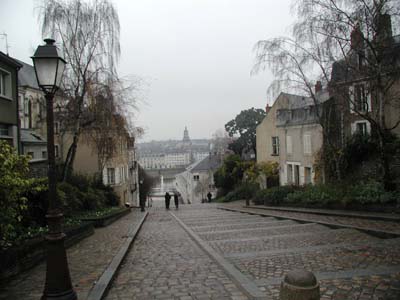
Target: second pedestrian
167, 200
176, 200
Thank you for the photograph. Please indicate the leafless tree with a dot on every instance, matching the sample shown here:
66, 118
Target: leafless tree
88, 34
350, 37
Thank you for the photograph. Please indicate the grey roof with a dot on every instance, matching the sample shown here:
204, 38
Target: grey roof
9, 60
297, 101
30, 136
210, 162
27, 76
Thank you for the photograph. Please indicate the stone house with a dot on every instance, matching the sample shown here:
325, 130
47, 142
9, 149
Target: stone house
198, 179
366, 86
9, 128
291, 135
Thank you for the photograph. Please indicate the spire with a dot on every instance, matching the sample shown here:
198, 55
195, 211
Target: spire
186, 137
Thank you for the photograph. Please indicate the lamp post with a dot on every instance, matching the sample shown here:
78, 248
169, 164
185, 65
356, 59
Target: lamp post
49, 67
142, 201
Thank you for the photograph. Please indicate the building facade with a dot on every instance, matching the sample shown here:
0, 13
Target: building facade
9, 128
291, 135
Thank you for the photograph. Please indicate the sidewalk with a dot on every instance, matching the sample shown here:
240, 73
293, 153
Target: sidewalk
350, 219
87, 261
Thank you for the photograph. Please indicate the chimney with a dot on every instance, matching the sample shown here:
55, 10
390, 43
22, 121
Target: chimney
318, 87
384, 32
356, 38
267, 108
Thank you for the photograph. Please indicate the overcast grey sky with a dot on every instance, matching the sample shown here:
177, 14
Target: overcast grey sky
194, 55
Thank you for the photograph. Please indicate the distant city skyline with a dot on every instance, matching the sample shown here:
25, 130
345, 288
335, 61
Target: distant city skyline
193, 58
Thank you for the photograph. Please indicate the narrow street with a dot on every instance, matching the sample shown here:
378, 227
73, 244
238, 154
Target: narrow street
203, 252
165, 263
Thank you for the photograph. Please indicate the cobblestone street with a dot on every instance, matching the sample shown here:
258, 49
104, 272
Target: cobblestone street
203, 252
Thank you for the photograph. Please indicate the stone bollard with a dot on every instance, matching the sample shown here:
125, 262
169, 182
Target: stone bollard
299, 285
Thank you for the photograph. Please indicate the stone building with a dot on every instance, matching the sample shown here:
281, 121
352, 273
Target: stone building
291, 135
9, 129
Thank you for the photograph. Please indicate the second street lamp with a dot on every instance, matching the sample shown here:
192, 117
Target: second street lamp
49, 67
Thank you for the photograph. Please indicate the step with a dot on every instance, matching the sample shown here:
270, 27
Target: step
291, 242
361, 256
233, 226
298, 228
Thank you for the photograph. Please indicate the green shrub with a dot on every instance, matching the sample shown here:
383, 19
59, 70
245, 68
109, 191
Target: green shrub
370, 193
71, 197
275, 195
94, 199
320, 196
243, 191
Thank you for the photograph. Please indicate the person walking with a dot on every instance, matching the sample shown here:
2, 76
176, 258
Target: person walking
209, 196
176, 200
167, 200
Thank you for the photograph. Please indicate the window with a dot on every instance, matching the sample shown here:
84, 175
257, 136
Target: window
44, 154
5, 84
56, 151
196, 177
307, 175
110, 175
290, 174
307, 144
4, 130
289, 149
361, 128
31, 154
275, 145
360, 99
56, 127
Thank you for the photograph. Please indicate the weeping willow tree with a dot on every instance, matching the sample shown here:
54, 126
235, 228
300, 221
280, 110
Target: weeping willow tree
340, 43
88, 35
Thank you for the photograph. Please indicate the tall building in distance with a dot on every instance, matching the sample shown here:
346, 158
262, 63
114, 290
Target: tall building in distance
173, 154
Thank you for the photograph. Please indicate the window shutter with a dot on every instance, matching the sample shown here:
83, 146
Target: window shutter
105, 181
351, 98
368, 127
368, 95
353, 128
301, 176
289, 144
307, 144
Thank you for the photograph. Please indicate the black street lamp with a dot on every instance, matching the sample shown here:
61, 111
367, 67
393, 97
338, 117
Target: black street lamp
49, 67
142, 201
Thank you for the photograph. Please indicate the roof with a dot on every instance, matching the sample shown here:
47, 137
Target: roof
27, 76
211, 162
297, 101
30, 136
9, 60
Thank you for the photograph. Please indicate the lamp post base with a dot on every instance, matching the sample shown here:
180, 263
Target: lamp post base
58, 284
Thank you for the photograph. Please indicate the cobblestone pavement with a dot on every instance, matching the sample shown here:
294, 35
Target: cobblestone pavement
348, 264
87, 261
389, 226
164, 263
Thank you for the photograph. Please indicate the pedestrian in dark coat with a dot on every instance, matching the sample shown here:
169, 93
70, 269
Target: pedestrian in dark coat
167, 200
209, 197
176, 200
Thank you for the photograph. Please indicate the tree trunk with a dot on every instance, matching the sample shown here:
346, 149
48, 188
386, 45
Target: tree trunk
69, 160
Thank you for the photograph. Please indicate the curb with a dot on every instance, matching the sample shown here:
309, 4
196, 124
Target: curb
371, 231
244, 283
331, 213
101, 287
